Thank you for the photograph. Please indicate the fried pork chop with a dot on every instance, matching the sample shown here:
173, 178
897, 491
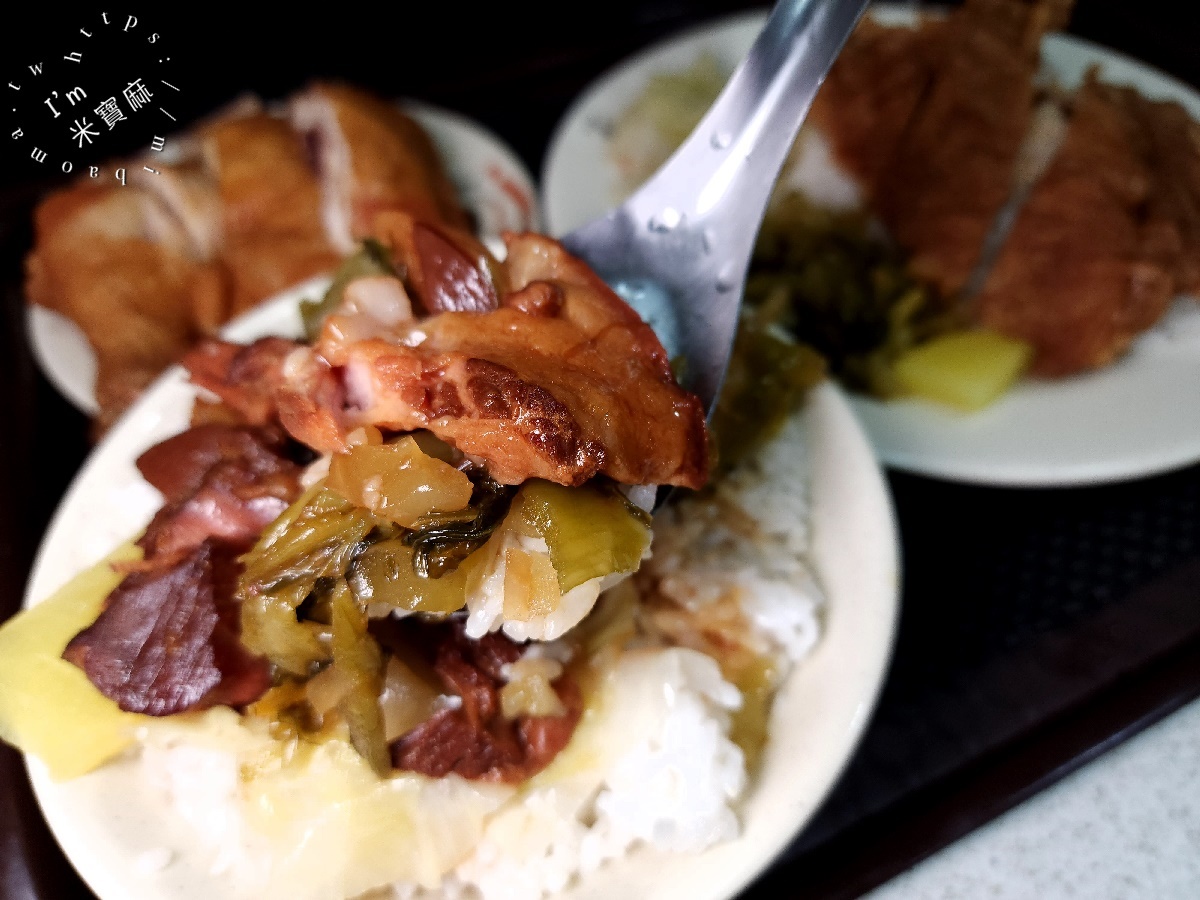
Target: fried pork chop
1072, 233
871, 92
1169, 141
952, 170
1097, 251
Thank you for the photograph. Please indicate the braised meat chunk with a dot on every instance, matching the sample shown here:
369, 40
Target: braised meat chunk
475, 739
563, 381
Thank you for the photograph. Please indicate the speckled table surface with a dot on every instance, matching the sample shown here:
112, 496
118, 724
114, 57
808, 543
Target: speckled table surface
1127, 825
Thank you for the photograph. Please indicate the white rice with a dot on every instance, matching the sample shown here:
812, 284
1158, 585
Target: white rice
485, 606
748, 542
651, 763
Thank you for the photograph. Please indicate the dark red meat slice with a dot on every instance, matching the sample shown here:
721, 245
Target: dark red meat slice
167, 640
227, 483
176, 467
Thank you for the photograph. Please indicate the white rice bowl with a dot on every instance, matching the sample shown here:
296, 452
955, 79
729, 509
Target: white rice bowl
158, 823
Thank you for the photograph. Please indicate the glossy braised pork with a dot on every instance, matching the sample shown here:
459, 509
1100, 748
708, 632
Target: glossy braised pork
561, 381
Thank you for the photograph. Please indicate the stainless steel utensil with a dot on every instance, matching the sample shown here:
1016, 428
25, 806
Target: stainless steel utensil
678, 249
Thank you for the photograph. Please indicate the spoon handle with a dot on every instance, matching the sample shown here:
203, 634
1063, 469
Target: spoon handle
725, 171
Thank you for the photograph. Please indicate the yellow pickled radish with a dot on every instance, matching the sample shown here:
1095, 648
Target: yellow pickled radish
530, 585
398, 481
48, 708
966, 369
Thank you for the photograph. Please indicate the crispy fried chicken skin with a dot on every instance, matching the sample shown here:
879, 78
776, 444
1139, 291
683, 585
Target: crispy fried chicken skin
107, 259
371, 158
271, 233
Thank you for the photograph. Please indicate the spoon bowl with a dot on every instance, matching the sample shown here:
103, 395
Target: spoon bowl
679, 248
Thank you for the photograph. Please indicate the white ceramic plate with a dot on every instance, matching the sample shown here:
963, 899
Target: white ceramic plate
491, 180
112, 825
1134, 418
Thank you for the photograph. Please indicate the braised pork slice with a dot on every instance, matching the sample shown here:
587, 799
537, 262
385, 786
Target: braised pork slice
563, 381
243, 378
1083, 269
176, 467
952, 170
371, 158
167, 640
218, 481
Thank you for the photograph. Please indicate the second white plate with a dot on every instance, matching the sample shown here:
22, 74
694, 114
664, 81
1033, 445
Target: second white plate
1132, 419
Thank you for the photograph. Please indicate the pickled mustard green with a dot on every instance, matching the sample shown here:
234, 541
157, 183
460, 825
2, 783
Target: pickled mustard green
837, 287
360, 661
399, 482
385, 573
589, 531
316, 538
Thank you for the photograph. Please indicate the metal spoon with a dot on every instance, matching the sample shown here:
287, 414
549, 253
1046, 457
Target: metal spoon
679, 248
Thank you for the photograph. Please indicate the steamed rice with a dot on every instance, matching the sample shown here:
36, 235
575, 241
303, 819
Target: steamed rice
652, 762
